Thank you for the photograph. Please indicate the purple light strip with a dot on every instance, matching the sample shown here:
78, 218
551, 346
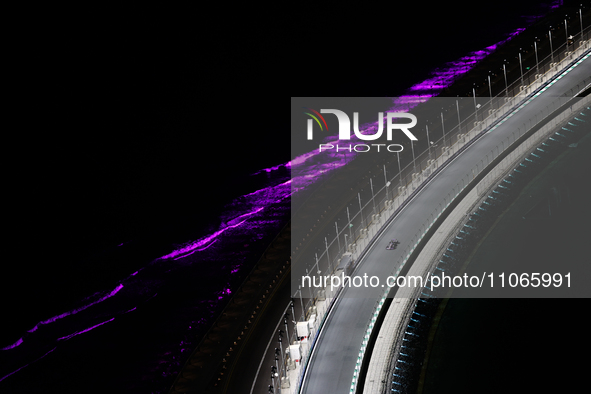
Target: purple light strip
83, 331
72, 312
235, 220
440, 79
263, 197
13, 345
444, 77
225, 291
207, 239
196, 250
134, 274
274, 168
12, 373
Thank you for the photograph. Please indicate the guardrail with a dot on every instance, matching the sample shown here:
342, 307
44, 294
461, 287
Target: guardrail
483, 189
366, 222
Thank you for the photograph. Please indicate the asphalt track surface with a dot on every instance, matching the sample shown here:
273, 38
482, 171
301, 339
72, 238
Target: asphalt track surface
330, 370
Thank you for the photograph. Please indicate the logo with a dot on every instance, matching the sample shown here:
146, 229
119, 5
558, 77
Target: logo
316, 119
345, 129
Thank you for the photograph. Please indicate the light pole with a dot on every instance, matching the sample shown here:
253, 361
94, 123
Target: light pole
399, 169
310, 288
317, 265
581, 19
292, 312
489, 88
360, 209
443, 128
372, 195
285, 322
277, 365
327, 256
520, 66
566, 31
551, 50
277, 351
386, 181
536, 49
350, 235
505, 72
413, 156
475, 107
273, 375
428, 142
302, 305
281, 347
459, 121
336, 226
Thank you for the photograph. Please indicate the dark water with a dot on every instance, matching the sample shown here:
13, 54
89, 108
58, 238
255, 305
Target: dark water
135, 152
522, 345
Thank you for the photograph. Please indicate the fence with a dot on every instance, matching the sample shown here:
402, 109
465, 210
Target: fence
482, 191
363, 217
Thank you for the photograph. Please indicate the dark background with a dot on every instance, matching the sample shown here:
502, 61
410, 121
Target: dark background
124, 123
122, 118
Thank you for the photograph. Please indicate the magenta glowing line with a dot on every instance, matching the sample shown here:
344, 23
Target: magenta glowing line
12, 373
231, 222
72, 312
274, 168
83, 331
209, 238
13, 345
439, 79
266, 189
196, 250
134, 274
